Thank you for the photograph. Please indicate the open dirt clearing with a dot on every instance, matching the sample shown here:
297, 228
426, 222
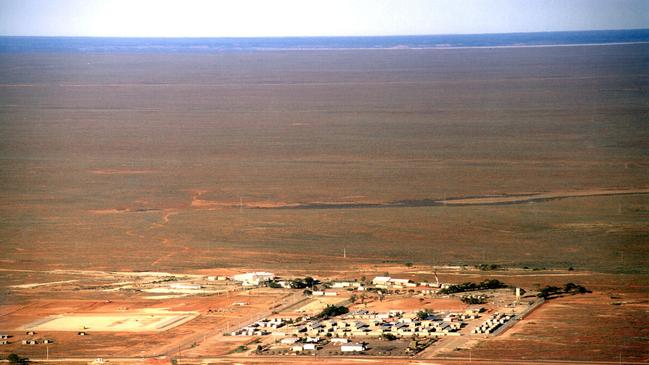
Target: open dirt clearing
138, 321
258, 129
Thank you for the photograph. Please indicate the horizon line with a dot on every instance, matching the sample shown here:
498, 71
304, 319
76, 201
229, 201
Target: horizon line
319, 36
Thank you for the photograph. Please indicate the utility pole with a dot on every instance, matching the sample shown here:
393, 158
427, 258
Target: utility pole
619, 206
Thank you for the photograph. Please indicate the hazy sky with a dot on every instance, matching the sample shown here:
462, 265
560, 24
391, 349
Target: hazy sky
241, 18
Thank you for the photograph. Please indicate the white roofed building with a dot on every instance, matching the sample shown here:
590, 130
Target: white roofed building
352, 347
289, 340
253, 278
381, 280
402, 282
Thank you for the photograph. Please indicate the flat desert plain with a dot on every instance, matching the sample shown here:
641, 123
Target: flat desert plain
283, 160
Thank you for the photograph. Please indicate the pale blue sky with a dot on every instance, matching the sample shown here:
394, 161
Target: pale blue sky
246, 18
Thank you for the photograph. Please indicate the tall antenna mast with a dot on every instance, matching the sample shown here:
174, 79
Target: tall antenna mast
344, 252
240, 204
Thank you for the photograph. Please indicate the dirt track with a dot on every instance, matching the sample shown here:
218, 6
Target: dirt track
519, 198
502, 199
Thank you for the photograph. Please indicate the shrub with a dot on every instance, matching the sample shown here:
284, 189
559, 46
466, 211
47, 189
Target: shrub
274, 284
474, 299
15, 359
388, 336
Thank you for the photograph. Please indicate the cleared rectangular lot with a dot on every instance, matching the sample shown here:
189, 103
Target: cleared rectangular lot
112, 322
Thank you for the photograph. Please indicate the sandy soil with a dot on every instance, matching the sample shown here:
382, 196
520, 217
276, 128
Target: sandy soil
587, 328
140, 136
133, 321
34, 285
121, 321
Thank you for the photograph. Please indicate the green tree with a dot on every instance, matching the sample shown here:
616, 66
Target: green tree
569, 287
469, 286
575, 289
549, 290
492, 284
303, 283
297, 284
309, 281
332, 311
